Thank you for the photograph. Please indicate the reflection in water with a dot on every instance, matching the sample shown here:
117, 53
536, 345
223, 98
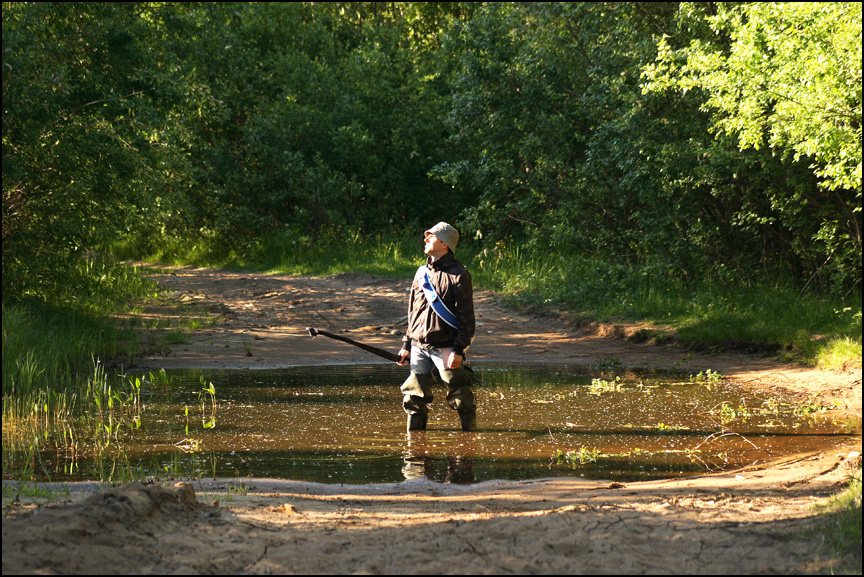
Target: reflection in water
345, 424
420, 462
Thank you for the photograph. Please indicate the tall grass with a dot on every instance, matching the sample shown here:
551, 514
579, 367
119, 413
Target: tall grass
335, 251
49, 344
841, 526
55, 342
91, 418
768, 316
327, 251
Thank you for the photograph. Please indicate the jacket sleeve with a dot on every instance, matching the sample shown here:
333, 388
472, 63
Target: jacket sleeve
406, 338
464, 311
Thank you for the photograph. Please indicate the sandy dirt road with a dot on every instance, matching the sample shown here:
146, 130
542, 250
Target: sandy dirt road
759, 520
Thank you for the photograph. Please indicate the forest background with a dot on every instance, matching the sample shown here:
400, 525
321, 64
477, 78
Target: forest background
695, 165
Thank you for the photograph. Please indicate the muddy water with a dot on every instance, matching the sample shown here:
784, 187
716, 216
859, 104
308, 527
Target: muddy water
344, 424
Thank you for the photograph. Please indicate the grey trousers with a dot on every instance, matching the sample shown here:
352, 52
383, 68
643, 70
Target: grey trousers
417, 388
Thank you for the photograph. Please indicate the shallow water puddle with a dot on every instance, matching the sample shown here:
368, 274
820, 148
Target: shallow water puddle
344, 424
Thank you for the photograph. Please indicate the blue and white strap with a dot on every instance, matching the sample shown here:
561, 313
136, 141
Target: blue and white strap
437, 305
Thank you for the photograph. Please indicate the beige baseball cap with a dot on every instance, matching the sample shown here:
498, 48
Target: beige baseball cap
446, 234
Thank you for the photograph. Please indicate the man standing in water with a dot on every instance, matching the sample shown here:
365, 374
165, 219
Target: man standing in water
440, 329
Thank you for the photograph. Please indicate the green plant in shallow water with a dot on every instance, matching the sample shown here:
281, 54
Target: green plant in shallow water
710, 377
208, 390
600, 386
810, 408
772, 407
663, 427
729, 413
606, 364
582, 456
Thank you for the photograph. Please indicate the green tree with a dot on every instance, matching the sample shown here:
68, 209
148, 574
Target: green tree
227, 122
80, 144
317, 115
557, 138
215, 123
785, 74
562, 146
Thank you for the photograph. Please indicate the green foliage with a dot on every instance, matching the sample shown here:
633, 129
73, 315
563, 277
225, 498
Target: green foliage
622, 152
582, 456
769, 316
787, 75
565, 148
837, 353
50, 345
841, 525
338, 251
79, 146
314, 115
149, 126
301, 251
155, 124
709, 377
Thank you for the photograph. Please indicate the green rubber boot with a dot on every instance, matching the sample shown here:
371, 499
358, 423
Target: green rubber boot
417, 422
469, 421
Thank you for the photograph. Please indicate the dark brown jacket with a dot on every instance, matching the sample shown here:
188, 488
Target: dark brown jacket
452, 282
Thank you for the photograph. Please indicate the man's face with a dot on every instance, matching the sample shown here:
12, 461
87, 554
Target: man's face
434, 247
